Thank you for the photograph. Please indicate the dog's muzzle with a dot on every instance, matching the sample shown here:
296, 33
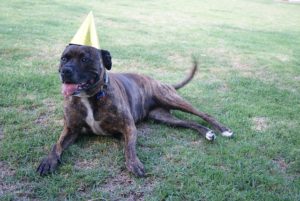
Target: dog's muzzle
79, 89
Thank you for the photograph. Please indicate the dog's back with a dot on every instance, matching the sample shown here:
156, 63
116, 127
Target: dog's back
141, 91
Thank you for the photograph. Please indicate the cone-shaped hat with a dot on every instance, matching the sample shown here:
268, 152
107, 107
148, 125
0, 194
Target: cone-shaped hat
86, 34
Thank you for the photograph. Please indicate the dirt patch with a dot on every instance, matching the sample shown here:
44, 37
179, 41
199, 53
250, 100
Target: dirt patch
50, 104
44, 117
19, 190
124, 187
238, 64
86, 164
6, 171
121, 179
260, 123
280, 163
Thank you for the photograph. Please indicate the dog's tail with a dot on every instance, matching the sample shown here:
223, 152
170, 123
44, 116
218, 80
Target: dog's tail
189, 77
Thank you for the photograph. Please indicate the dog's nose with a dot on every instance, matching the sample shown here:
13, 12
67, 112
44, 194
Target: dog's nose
67, 72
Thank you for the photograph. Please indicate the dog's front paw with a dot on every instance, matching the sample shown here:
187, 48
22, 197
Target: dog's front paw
136, 167
47, 165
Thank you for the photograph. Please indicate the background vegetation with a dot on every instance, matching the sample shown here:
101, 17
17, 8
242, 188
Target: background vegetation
248, 78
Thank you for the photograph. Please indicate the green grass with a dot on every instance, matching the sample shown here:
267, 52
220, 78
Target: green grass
249, 53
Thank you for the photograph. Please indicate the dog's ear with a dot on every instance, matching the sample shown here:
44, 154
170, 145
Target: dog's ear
106, 58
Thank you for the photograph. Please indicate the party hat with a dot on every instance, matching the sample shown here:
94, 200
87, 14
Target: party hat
86, 34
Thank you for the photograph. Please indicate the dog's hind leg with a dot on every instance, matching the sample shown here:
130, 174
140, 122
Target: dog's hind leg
167, 97
164, 116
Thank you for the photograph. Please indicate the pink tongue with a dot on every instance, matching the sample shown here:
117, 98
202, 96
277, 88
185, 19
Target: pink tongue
68, 89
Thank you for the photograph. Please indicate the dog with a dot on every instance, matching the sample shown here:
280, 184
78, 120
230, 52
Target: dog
103, 103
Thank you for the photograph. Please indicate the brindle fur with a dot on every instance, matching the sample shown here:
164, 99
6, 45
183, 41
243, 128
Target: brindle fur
129, 99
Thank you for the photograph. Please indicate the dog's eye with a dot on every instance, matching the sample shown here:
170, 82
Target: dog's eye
63, 59
84, 59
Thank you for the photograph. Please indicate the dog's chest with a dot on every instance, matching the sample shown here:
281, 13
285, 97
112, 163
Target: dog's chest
94, 125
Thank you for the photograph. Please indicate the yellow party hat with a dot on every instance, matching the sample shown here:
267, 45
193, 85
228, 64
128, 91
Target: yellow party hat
86, 34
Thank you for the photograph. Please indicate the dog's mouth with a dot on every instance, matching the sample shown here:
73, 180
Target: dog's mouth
73, 89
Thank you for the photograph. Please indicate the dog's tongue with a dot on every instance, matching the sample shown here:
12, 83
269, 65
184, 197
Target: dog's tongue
68, 89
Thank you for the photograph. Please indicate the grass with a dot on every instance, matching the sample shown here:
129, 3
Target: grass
249, 79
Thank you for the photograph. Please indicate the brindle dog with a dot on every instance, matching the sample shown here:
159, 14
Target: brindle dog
104, 104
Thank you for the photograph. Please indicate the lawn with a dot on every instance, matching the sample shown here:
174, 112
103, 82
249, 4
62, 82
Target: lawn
248, 78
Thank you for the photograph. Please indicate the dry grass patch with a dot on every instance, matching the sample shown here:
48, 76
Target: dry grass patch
234, 61
86, 164
260, 123
50, 104
280, 163
49, 53
178, 58
127, 188
5, 172
283, 57
44, 117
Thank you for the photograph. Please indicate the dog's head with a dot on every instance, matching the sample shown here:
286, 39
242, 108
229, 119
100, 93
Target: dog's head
82, 70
